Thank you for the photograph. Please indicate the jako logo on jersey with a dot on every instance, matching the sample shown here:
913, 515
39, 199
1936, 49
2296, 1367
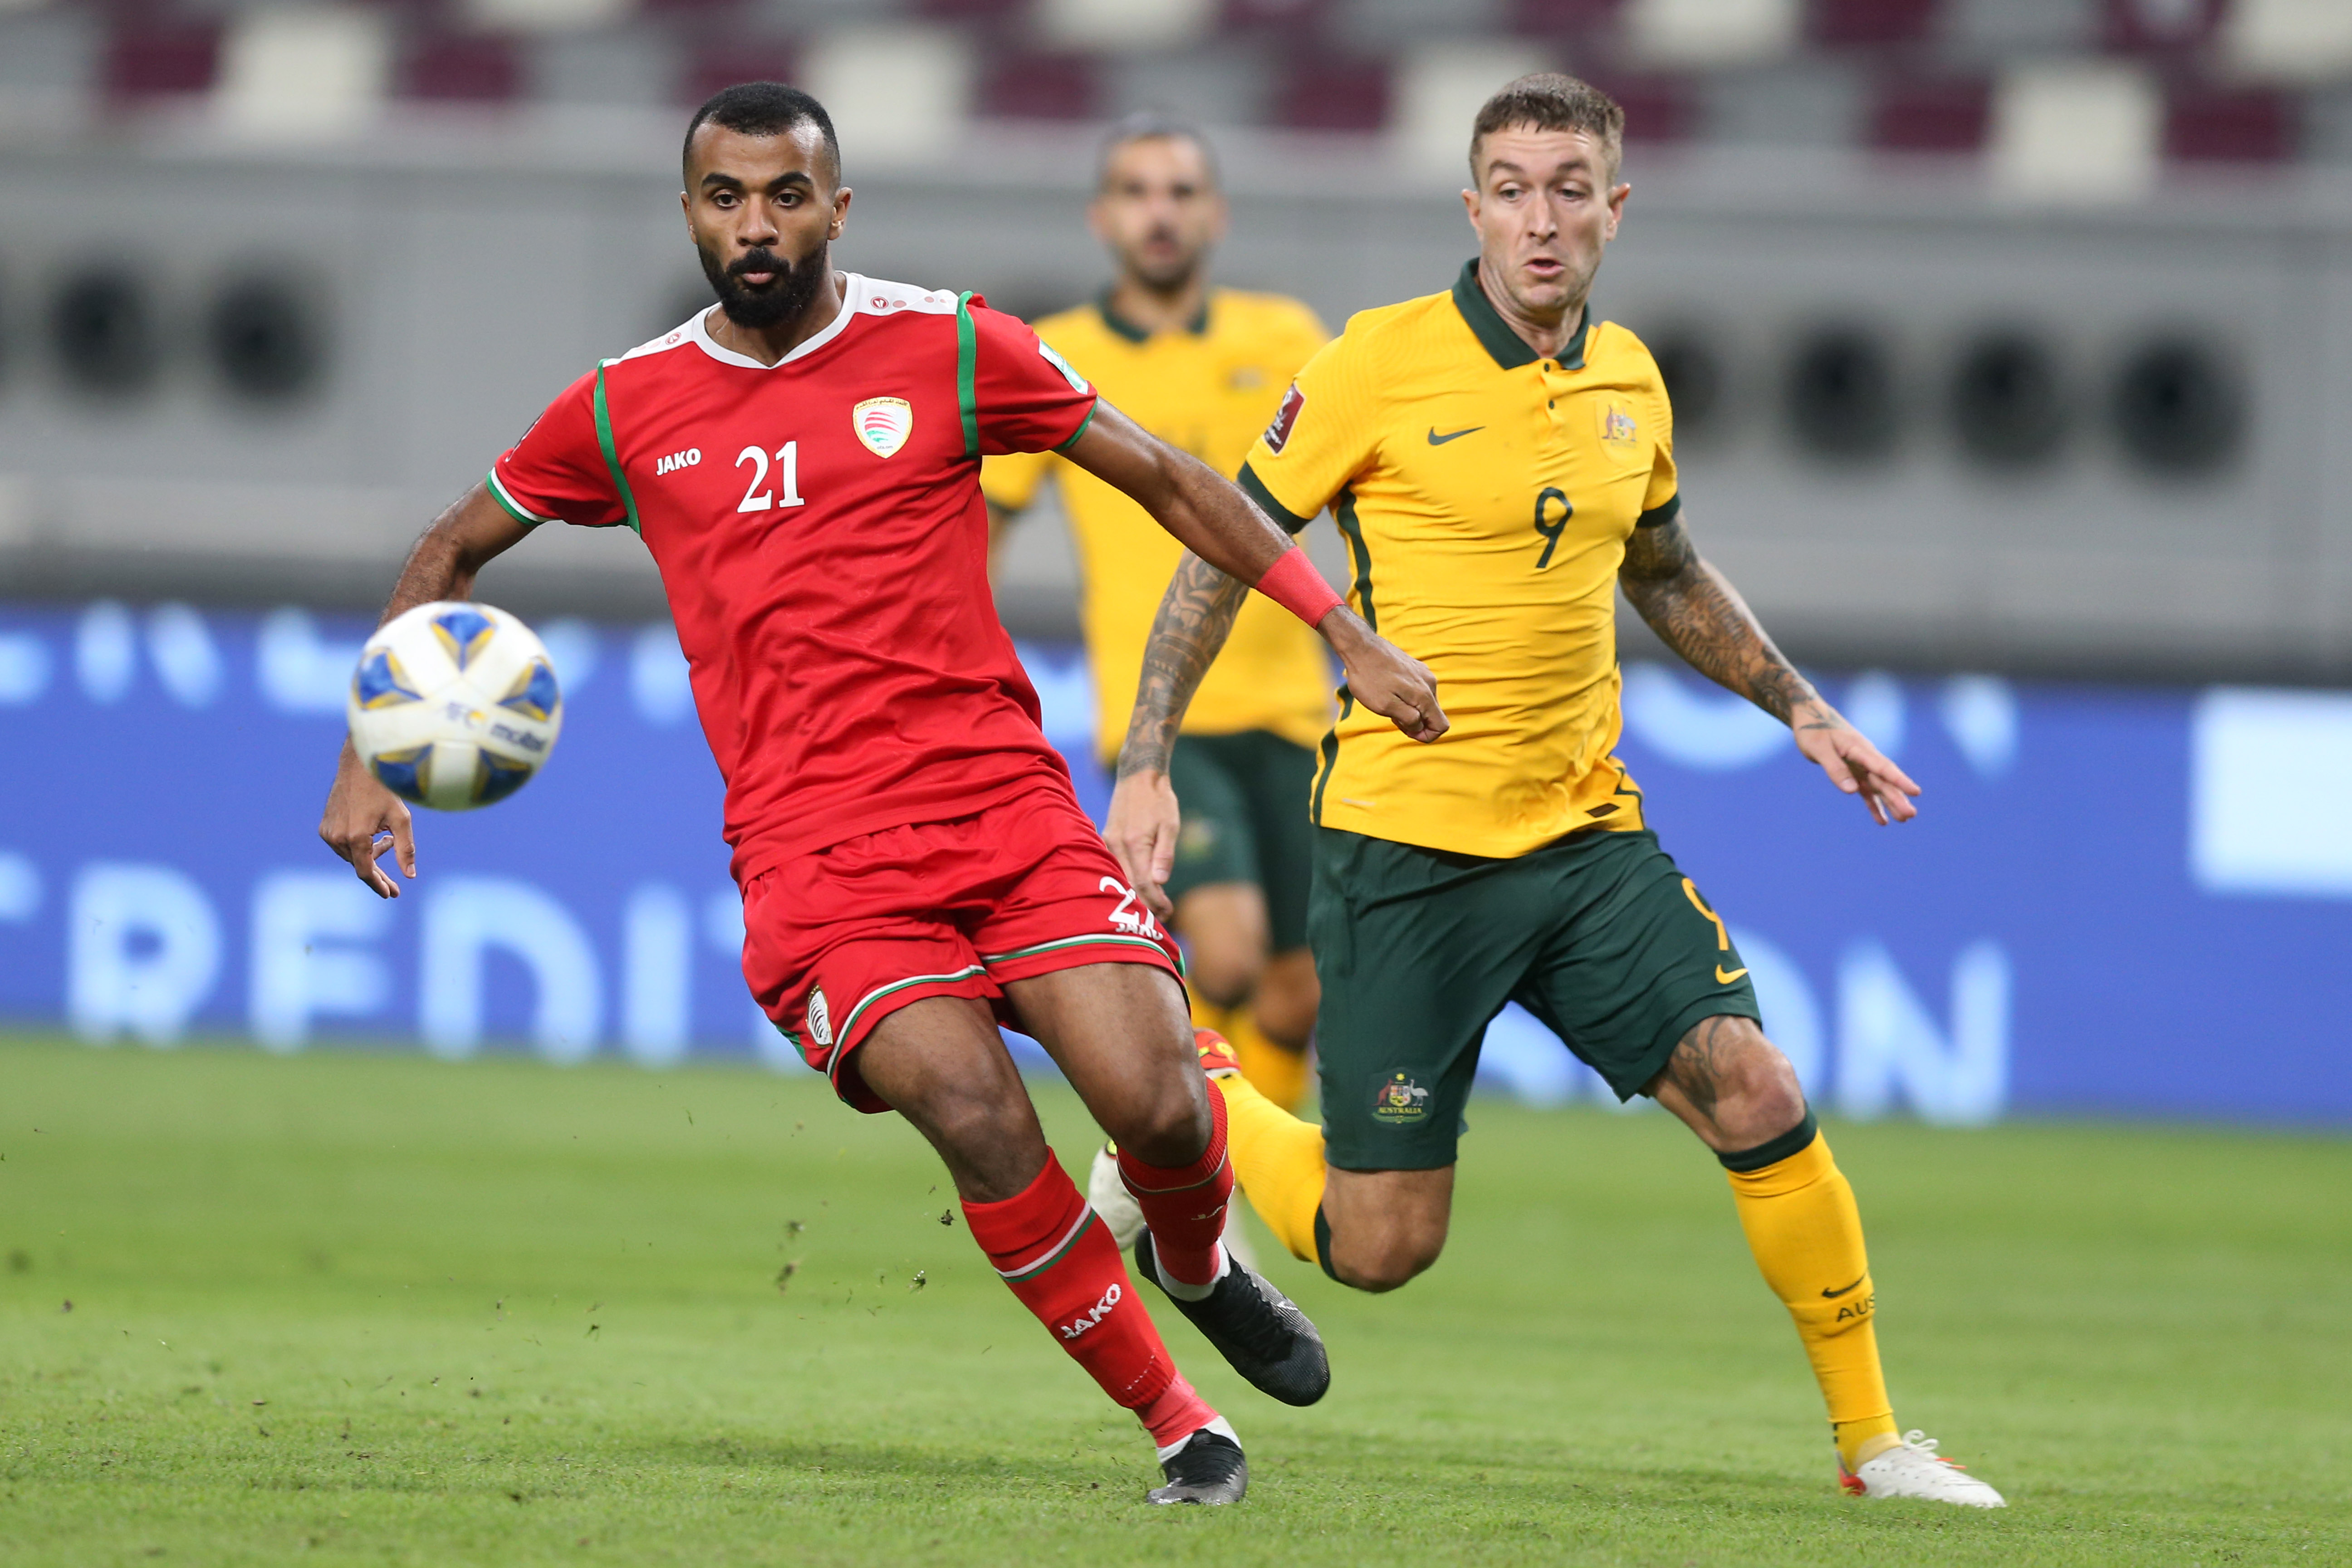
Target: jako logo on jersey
820, 1017
678, 460
1077, 382
883, 423
1278, 435
1102, 1309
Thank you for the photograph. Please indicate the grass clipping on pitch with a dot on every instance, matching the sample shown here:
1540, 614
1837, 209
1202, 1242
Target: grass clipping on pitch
369, 1308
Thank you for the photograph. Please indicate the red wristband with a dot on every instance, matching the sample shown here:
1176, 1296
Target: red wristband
1293, 582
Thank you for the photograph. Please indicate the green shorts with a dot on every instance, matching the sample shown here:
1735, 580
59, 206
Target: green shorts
1245, 802
1599, 935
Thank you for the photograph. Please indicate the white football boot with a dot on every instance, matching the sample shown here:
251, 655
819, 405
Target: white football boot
1113, 1203
1117, 1209
1912, 1469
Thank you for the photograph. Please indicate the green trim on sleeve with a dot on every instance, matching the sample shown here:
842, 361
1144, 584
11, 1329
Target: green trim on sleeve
967, 371
1665, 511
1254, 488
613, 457
507, 502
1065, 445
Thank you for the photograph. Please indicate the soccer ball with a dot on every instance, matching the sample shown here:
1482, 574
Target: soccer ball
454, 705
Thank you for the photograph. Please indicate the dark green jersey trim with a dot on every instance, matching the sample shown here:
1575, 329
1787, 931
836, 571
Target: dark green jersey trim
967, 368
1510, 349
1345, 513
1254, 488
613, 457
1665, 511
1330, 749
1119, 326
1089, 419
491, 483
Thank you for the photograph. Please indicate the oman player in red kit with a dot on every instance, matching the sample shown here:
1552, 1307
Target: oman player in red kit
802, 461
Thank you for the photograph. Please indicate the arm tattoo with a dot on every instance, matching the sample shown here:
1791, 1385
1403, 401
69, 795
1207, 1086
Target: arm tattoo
1700, 615
1194, 618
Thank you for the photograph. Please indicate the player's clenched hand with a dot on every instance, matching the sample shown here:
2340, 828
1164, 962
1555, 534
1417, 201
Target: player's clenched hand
360, 813
1142, 832
1384, 678
1852, 764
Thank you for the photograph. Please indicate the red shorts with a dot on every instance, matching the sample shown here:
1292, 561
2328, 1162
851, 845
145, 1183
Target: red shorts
836, 941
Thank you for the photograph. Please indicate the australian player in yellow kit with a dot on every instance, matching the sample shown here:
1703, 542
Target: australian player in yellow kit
1501, 461
1203, 369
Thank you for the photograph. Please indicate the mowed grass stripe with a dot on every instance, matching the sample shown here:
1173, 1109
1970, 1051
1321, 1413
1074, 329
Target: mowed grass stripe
506, 1313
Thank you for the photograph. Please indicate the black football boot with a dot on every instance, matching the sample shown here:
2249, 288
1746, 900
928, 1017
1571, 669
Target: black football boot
1256, 1328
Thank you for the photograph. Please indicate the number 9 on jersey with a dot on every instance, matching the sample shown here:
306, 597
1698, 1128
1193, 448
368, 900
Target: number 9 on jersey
454, 705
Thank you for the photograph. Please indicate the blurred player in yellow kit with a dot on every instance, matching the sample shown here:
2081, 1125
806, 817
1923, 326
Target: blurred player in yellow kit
1202, 369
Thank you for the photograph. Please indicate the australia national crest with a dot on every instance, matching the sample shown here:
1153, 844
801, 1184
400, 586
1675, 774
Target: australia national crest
883, 423
1399, 1101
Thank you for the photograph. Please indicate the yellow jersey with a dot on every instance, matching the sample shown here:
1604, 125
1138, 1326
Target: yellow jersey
1486, 494
1209, 390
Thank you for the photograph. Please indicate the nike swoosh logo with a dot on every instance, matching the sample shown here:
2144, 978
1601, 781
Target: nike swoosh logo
1833, 1295
1437, 441
1723, 979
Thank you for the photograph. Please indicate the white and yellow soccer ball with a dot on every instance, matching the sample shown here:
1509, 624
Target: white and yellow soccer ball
454, 705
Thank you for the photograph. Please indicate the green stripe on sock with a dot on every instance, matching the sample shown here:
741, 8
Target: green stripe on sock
1773, 1152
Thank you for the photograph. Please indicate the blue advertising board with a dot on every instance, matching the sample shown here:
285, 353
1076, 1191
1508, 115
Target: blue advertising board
2115, 900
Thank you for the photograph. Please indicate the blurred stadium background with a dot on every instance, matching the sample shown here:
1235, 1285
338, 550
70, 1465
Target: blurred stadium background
2010, 340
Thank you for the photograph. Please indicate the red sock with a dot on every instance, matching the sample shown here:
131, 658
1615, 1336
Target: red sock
1062, 1265
1185, 1206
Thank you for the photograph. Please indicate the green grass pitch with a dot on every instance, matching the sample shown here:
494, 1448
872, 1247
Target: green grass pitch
362, 1309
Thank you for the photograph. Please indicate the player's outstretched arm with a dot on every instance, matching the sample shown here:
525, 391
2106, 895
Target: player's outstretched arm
1195, 616
1220, 525
363, 818
1697, 612
1230, 542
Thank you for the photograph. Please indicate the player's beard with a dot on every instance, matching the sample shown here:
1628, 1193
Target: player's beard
795, 286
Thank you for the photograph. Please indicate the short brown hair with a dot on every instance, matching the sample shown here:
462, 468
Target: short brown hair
1149, 125
1547, 100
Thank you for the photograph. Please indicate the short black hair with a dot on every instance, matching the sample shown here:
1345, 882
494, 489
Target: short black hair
1153, 125
764, 109
1547, 100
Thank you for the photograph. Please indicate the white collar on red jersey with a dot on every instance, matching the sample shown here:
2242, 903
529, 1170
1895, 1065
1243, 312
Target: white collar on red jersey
861, 297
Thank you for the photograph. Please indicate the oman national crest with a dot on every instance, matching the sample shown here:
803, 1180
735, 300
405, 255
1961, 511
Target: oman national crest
883, 423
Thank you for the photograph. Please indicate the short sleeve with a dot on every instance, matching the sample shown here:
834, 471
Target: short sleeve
1322, 437
1018, 395
1011, 480
557, 472
1661, 501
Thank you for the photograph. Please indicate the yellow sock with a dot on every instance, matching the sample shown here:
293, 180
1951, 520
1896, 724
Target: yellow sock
1277, 1072
1806, 1234
1277, 1162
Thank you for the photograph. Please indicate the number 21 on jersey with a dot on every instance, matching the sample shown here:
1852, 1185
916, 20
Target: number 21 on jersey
759, 495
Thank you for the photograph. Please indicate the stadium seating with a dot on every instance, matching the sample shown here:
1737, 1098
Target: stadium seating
2094, 92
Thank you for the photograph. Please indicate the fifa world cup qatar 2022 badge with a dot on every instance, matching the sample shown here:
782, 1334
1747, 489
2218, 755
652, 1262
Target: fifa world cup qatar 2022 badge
1285, 419
883, 423
1400, 1102
820, 1016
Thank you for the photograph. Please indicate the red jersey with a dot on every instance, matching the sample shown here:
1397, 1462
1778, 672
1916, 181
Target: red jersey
821, 535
